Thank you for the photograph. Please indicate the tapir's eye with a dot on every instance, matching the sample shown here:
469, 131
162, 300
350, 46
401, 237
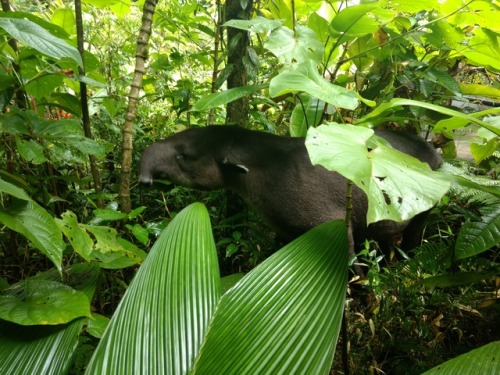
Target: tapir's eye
182, 161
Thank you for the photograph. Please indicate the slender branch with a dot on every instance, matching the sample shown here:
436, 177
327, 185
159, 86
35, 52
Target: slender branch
128, 127
84, 100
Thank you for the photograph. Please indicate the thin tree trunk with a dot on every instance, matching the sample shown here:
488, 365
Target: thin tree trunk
238, 110
84, 101
140, 62
21, 100
215, 73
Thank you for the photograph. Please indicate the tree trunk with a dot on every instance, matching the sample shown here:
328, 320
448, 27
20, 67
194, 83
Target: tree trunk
84, 101
238, 42
215, 72
140, 62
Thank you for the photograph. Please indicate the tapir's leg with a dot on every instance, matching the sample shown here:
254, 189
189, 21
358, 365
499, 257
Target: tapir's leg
412, 235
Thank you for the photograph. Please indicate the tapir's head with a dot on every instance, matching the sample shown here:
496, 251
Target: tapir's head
194, 158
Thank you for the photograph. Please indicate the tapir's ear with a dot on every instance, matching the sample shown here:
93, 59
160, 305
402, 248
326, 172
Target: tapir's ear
238, 167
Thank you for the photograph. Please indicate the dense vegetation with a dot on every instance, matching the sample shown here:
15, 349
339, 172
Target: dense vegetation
81, 97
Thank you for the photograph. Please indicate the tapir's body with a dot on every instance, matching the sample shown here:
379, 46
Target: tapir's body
275, 176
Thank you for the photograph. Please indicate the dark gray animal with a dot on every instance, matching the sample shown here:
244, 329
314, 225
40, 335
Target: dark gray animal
274, 175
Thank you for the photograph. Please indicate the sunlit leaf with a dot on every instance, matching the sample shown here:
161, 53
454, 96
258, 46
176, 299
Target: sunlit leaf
65, 17
38, 38
107, 214
77, 237
6, 187
257, 25
46, 302
307, 79
305, 115
299, 45
31, 151
378, 170
220, 98
354, 20
97, 324
480, 90
285, 315
47, 350
485, 49
377, 115
168, 305
49, 26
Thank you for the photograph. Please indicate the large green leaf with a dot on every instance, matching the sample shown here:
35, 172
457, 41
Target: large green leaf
307, 79
377, 115
299, 45
160, 322
457, 279
478, 236
42, 86
68, 133
440, 78
40, 39
483, 360
65, 17
283, 317
31, 150
77, 236
397, 185
50, 27
463, 181
258, 24
220, 98
120, 7
45, 302
453, 123
45, 350
485, 49
6, 187
37, 225
486, 143
355, 21
305, 115
480, 90
97, 324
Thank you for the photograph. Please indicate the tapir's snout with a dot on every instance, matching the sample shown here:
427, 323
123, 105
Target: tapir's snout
148, 164
145, 179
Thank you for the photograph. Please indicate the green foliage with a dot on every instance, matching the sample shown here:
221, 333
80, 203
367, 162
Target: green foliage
482, 360
334, 146
39, 140
29, 219
45, 349
306, 78
107, 247
44, 303
217, 99
168, 305
38, 38
478, 236
310, 63
174, 328
440, 306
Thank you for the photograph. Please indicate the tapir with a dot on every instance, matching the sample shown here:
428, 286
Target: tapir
275, 176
